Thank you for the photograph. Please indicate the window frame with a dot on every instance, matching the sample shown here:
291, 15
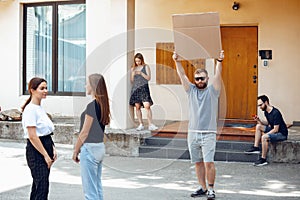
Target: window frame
55, 33
166, 73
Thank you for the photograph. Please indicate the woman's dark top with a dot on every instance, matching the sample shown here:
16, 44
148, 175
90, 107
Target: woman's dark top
96, 133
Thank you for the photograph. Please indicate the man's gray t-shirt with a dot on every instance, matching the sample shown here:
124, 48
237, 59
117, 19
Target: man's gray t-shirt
203, 108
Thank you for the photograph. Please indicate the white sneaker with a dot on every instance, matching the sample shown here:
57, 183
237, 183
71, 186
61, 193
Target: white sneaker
140, 127
211, 195
152, 127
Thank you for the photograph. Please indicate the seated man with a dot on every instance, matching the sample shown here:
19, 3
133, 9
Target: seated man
273, 130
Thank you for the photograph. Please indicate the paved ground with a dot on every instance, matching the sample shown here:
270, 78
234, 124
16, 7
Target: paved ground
142, 179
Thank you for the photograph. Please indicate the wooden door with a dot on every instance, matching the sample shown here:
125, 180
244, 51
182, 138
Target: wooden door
240, 71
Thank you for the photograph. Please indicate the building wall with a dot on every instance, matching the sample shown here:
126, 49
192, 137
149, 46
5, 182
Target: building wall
278, 30
107, 22
11, 64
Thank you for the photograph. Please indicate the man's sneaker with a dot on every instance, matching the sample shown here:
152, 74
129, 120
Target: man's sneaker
152, 127
252, 150
260, 162
211, 195
140, 127
199, 192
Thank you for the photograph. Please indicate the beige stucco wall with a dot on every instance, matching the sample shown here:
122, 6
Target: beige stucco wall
10, 55
11, 64
107, 47
278, 30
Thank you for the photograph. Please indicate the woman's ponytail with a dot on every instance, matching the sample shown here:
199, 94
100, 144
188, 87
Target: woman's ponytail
26, 103
33, 84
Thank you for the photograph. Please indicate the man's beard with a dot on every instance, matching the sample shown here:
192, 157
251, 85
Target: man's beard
202, 86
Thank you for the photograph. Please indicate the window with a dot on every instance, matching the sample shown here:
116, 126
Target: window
54, 46
165, 67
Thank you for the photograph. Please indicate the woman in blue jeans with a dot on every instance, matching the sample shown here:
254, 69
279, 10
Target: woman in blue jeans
90, 140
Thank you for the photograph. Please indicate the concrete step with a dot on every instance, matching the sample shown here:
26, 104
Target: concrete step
234, 145
176, 148
181, 142
163, 152
235, 156
182, 153
160, 141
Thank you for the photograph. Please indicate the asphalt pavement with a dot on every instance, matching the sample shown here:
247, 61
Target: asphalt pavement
130, 178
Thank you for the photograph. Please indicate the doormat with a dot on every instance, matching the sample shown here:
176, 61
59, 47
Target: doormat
239, 125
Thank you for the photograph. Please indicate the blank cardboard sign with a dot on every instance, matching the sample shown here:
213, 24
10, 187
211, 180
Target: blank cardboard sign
197, 35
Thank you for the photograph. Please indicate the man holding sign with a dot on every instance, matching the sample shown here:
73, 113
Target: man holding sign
203, 98
203, 112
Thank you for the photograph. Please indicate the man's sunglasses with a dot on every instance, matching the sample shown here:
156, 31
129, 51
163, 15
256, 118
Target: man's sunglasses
200, 78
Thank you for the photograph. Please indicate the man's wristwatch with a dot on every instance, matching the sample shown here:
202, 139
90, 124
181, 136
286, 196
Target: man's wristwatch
219, 60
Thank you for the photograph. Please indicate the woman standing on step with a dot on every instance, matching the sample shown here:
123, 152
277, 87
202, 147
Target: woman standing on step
90, 140
38, 128
140, 93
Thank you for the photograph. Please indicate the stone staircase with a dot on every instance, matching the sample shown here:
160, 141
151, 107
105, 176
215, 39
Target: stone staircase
176, 148
169, 142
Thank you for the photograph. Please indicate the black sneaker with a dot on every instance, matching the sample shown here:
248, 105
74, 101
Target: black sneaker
211, 195
260, 162
252, 150
198, 193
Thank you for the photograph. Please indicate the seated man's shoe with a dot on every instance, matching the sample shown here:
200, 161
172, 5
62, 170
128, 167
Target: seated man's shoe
261, 162
252, 150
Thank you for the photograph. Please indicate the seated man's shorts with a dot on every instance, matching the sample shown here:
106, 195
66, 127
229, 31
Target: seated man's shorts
202, 146
275, 137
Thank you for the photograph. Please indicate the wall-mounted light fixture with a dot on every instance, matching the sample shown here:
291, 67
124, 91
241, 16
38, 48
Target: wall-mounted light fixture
235, 6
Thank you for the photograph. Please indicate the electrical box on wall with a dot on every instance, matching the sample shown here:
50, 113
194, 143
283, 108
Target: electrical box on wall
265, 56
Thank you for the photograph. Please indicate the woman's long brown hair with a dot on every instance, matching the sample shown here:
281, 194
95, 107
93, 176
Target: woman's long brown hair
98, 86
33, 84
139, 56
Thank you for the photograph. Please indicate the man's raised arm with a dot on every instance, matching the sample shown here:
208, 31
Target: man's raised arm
181, 73
218, 75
